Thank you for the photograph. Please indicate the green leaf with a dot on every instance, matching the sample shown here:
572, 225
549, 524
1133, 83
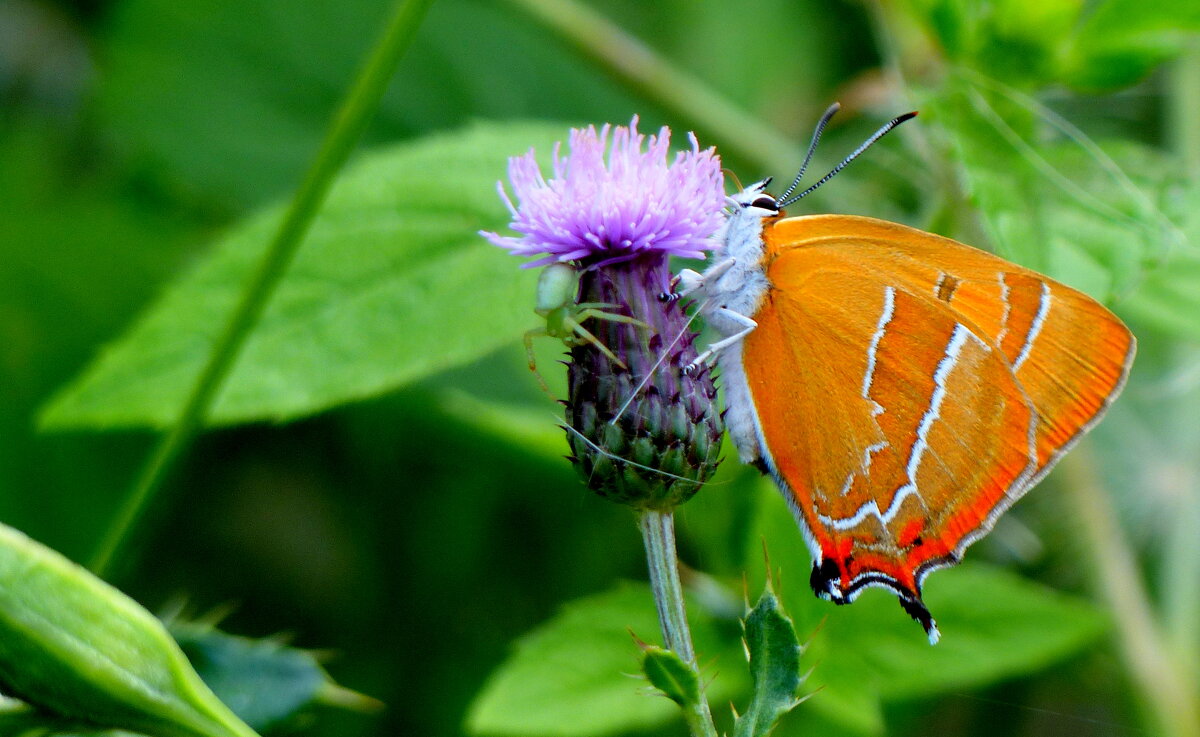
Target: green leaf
841, 693
1094, 216
73, 645
570, 677
1034, 43
839, 696
1018, 41
264, 682
1116, 219
392, 284
1123, 40
995, 625
1168, 298
20, 720
667, 672
774, 653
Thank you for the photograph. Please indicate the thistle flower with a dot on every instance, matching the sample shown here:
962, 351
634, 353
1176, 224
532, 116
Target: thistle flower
596, 212
642, 433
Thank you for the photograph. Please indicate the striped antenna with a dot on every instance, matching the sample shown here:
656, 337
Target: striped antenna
816, 137
884, 130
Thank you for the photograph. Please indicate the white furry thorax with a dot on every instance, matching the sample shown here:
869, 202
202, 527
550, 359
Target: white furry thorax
741, 289
744, 285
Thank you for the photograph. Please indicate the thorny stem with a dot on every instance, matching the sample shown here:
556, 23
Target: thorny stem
344, 132
658, 533
1163, 684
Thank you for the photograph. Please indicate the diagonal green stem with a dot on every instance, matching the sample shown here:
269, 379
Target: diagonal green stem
1183, 107
1181, 593
343, 134
658, 534
1163, 683
741, 134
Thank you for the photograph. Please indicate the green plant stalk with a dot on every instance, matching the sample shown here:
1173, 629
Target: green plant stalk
1181, 593
1180, 583
1162, 681
652, 75
658, 534
1183, 104
343, 134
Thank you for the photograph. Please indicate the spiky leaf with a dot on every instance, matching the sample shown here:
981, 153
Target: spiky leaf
667, 672
265, 682
774, 652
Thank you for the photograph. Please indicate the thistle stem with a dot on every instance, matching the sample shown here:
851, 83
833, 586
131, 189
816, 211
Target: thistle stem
1183, 107
1181, 584
658, 534
343, 134
626, 58
1163, 684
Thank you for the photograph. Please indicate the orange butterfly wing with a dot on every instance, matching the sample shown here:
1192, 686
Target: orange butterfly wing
909, 388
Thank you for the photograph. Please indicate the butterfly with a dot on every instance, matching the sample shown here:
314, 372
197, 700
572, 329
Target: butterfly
901, 388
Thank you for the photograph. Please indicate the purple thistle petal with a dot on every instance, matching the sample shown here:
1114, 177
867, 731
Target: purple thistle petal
614, 202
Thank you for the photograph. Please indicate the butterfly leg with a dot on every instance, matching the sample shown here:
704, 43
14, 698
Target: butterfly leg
697, 282
691, 281
688, 281
741, 324
716, 270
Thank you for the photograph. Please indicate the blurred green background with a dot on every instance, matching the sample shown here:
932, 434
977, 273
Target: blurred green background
386, 480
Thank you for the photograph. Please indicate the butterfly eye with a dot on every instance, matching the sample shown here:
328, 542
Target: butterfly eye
765, 203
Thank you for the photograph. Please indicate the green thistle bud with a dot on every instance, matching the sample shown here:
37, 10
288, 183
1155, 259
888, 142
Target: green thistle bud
74, 646
646, 435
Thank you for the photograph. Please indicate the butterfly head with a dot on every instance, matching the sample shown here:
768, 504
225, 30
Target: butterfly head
754, 200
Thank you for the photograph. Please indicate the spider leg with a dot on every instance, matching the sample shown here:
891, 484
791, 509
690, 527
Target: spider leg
583, 333
528, 340
592, 312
